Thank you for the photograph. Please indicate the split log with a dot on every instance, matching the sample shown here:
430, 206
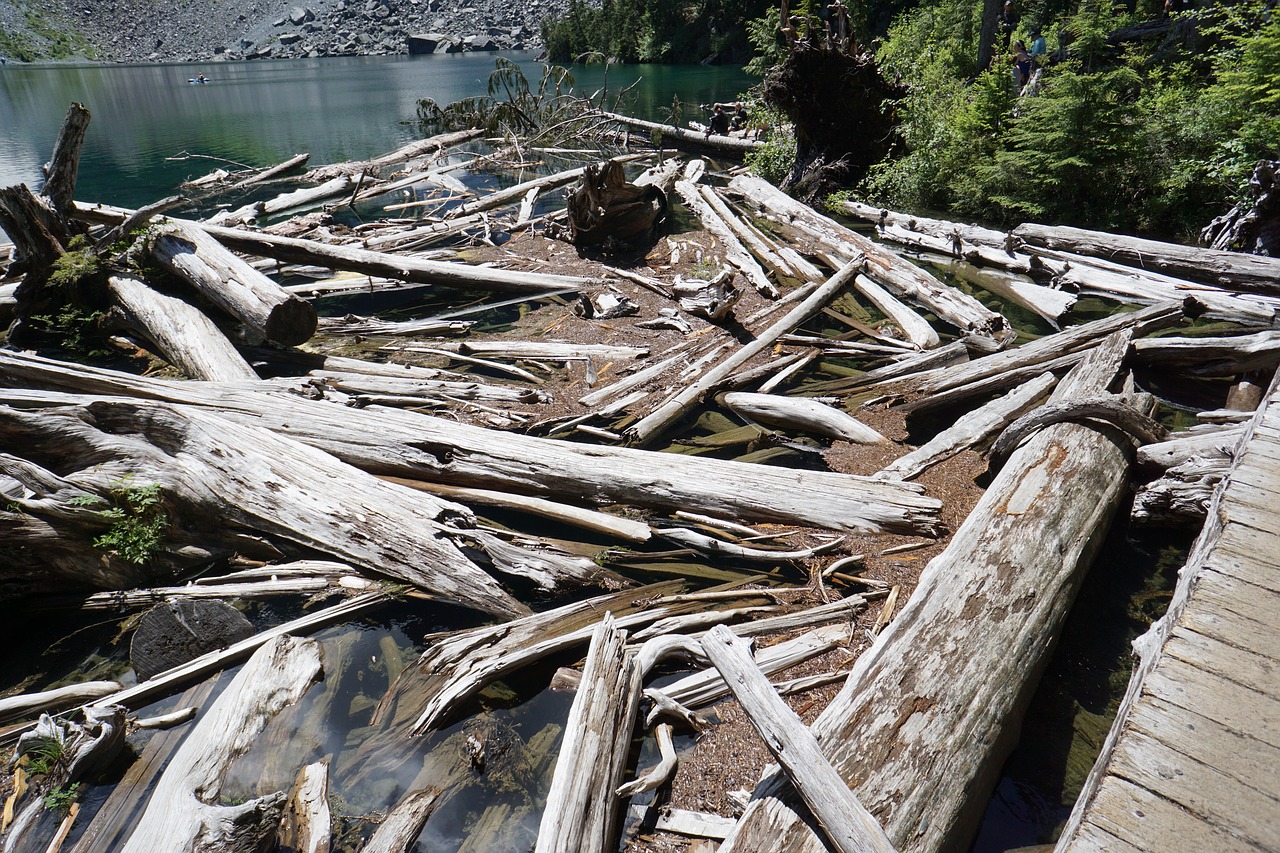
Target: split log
959, 663
1181, 497
686, 138
399, 831
233, 285
184, 814
27, 704
212, 472
668, 412
1228, 270
295, 250
971, 430
582, 808
407, 444
734, 252
801, 413
413, 150
181, 333
844, 820
306, 823
900, 276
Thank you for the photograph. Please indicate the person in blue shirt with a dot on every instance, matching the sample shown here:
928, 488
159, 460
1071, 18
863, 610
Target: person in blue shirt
1038, 48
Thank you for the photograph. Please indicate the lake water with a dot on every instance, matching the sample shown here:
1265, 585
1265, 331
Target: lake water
260, 113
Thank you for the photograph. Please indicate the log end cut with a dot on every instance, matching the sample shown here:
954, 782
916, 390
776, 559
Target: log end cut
291, 322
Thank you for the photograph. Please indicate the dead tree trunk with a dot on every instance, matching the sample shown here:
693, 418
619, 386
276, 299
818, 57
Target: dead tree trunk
930, 710
1253, 227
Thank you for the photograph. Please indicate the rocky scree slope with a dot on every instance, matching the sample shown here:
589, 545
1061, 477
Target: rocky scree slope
186, 31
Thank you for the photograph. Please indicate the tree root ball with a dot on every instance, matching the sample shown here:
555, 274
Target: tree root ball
842, 108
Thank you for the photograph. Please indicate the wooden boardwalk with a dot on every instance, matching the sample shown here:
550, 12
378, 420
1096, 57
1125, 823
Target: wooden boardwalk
1193, 761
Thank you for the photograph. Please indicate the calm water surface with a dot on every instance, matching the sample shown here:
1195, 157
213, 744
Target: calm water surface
259, 113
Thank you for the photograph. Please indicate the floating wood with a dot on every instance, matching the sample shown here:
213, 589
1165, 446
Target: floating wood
183, 813
687, 138
413, 150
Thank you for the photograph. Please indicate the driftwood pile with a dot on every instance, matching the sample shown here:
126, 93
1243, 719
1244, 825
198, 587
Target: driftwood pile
269, 470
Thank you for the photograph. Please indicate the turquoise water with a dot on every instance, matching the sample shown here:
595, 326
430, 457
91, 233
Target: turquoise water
260, 113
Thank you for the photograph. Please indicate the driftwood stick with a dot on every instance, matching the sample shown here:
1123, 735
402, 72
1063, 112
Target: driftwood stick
29, 704
661, 418
660, 773
848, 825
272, 172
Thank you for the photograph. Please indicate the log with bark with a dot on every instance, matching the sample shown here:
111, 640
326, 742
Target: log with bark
923, 724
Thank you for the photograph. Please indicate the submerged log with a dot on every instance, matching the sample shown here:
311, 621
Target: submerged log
927, 716
233, 285
184, 815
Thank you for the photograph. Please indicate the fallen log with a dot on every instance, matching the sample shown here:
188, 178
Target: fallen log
1218, 356
306, 823
28, 704
1112, 409
734, 251
1228, 270
927, 715
234, 286
915, 328
1183, 446
213, 473
271, 172
407, 444
295, 250
846, 823
183, 813
512, 194
182, 334
801, 413
686, 138
901, 277
413, 150
340, 185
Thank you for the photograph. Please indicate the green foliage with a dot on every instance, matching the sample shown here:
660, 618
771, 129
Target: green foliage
46, 756
76, 328
775, 158
48, 40
511, 106
77, 263
138, 524
675, 31
60, 798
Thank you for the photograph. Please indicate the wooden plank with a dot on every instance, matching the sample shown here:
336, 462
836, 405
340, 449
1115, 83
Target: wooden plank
1219, 592
1231, 662
1225, 623
1206, 740
1094, 839
1152, 823
1246, 553
1206, 792
1234, 706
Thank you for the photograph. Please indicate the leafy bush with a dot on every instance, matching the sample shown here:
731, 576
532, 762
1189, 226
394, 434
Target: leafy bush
138, 524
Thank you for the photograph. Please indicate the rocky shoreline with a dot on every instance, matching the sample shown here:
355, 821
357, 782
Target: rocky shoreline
118, 31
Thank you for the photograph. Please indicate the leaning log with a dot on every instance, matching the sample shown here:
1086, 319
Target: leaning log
413, 150
416, 446
929, 712
233, 285
1228, 270
184, 814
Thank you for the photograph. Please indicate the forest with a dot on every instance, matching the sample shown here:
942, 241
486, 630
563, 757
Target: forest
1147, 117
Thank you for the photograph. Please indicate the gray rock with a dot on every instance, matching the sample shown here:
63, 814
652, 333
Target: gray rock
425, 43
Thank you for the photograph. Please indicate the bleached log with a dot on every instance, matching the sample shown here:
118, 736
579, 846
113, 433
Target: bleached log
413, 150
407, 444
928, 712
845, 821
28, 704
180, 332
359, 385
310, 586
582, 807
513, 194
233, 285
399, 831
755, 242
713, 546
914, 327
272, 172
1125, 412
1182, 446
684, 822
801, 413
661, 773
1219, 356
971, 430
734, 252
550, 350
183, 813
685, 137
934, 227
306, 823
1229, 270
903, 278
214, 473
286, 201
296, 250
666, 414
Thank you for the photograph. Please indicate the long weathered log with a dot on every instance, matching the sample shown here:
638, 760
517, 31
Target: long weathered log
28, 704
845, 821
213, 472
413, 150
735, 253
515, 193
271, 172
923, 724
1222, 356
1228, 270
900, 276
295, 250
180, 332
689, 138
914, 327
233, 285
184, 814
803, 414
408, 444
340, 185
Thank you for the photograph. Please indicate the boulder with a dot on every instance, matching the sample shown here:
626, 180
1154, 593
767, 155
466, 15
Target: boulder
425, 43
479, 43
299, 15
